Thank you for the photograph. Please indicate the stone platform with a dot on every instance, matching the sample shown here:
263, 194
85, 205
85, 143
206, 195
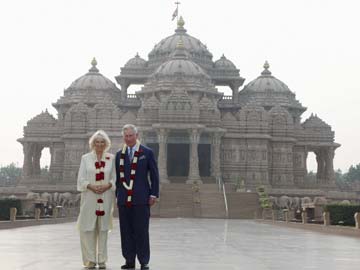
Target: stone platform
179, 244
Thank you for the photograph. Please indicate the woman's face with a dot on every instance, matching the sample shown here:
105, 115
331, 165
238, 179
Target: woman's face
99, 145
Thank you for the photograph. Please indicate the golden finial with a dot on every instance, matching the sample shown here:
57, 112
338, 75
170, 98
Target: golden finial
93, 68
94, 62
266, 71
181, 22
266, 65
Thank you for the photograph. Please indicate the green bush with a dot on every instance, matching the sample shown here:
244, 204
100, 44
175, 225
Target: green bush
263, 197
6, 204
341, 214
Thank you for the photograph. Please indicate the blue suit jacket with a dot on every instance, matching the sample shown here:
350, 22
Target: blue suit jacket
143, 188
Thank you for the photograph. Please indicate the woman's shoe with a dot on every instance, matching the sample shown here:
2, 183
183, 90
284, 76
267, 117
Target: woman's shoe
102, 265
90, 265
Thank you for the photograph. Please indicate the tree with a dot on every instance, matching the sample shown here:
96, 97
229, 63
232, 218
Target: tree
9, 175
339, 176
353, 174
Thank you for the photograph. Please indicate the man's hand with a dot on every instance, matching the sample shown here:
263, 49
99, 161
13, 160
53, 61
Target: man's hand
152, 201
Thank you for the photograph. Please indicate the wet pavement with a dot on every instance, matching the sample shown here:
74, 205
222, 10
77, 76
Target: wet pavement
179, 244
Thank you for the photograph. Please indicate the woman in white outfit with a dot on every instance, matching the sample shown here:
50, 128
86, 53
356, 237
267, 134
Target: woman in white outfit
96, 182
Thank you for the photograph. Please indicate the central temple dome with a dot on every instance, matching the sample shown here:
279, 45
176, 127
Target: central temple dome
180, 64
198, 52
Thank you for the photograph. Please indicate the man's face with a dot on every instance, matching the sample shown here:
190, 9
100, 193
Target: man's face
130, 137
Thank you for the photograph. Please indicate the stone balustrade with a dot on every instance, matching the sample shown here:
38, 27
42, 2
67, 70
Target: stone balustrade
270, 214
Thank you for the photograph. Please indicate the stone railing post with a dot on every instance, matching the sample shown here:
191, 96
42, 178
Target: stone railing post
55, 212
304, 217
326, 216
37, 213
357, 220
273, 215
286, 215
13, 212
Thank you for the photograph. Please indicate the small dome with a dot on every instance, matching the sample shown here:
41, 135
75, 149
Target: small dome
93, 80
224, 63
268, 91
266, 82
136, 62
180, 64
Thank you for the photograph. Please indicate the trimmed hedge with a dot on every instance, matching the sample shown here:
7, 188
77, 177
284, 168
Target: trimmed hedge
341, 214
6, 204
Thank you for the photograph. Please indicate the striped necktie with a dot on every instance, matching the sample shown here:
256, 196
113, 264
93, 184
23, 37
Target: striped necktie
130, 153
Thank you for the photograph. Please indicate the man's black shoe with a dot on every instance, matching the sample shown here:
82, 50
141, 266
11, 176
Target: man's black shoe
145, 267
128, 266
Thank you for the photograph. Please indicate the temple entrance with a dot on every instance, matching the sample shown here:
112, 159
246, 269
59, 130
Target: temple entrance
178, 159
155, 148
204, 151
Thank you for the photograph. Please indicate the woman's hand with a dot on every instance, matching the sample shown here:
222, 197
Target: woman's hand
94, 188
99, 189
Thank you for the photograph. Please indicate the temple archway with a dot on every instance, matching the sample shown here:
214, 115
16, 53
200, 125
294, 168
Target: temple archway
178, 155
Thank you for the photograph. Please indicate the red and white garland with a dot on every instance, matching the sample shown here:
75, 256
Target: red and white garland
129, 187
99, 177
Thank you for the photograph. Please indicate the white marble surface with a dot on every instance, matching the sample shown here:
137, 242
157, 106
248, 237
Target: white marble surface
188, 244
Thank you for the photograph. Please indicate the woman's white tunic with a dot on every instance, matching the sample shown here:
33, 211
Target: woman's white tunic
88, 205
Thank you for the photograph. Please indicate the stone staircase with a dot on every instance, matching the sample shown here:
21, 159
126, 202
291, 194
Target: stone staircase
204, 201
186, 200
241, 205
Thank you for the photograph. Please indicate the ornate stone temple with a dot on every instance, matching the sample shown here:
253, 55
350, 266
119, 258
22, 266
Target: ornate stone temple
198, 134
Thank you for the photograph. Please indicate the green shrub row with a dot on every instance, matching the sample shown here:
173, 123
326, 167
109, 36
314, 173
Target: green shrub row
342, 214
6, 204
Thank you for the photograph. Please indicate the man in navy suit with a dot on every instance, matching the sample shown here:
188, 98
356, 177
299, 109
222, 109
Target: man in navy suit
135, 195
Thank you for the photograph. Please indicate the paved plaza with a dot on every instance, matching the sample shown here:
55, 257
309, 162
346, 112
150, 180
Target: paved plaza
181, 244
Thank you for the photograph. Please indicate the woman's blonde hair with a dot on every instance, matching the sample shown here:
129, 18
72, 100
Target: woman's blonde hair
100, 134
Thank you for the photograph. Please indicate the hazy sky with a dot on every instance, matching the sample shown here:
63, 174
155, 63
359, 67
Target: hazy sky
313, 46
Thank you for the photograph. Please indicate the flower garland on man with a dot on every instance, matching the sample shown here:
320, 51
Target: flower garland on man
137, 187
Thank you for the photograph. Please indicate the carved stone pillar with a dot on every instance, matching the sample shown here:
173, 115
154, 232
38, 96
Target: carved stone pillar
27, 167
215, 155
142, 137
320, 165
124, 84
162, 159
194, 175
36, 160
235, 90
52, 160
329, 165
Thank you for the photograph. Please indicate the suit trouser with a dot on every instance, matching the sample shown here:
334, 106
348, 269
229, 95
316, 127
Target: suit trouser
134, 230
94, 245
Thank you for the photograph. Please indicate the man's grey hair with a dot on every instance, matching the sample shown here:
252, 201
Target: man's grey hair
100, 134
129, 126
